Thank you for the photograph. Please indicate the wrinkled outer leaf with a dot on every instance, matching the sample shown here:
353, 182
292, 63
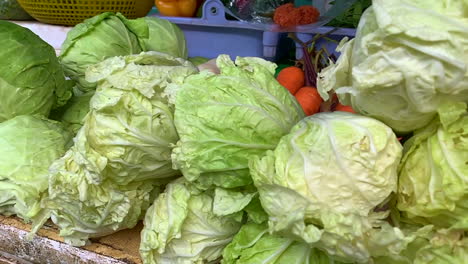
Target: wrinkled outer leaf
28, 146
131, 122
433, 182
223, 120
31, 78
83, 208
253, 244
407, 59
326, 152
95, 39
180, 227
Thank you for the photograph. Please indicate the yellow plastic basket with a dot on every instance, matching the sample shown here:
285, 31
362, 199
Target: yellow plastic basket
72, 12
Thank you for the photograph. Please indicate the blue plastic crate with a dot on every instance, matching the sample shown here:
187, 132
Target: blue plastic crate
213, 34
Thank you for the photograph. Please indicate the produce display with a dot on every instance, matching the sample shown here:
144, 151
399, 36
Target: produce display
360, 158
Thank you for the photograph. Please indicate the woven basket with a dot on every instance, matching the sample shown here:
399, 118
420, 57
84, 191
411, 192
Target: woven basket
72, 12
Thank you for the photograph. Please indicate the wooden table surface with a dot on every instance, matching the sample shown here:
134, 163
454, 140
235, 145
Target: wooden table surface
48, 247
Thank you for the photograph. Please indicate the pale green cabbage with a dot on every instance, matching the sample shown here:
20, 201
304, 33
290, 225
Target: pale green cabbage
407, 59
433, 177
254, 244
28, 146
31, 78
122, 151
328, 183
108, 35
223, 120
436, 247
181, 227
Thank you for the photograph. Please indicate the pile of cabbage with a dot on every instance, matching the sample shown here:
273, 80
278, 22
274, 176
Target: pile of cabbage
222, 166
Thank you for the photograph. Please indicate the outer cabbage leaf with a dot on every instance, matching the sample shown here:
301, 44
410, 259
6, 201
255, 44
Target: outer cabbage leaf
444, 248
83, 209
223, 120
253, 244
180, 227
73, 113
436, 247
407, 59
156, 34
433, 175
31, 78
28, 146
323, 153
95, 39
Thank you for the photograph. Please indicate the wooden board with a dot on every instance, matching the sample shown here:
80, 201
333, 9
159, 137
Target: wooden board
48, 247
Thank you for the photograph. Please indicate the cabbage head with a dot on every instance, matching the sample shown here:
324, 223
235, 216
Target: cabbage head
408, 58
31, 78
131, 122
28, 146
181, 227
94, 40
254, 244
433, 175
122, 153
157, 34
328, 183
223, 120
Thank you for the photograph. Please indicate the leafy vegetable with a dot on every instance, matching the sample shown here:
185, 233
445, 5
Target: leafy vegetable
198, 60
181, 227
433, 182
253, 244
223, 120
407, 59
31, 78
108, 35
122, 152
73, 113
156, 34
95, 39
11, 9
351, 17
28, 145
436, 247
327, 183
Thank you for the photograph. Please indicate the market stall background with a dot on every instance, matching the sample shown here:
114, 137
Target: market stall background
228, 201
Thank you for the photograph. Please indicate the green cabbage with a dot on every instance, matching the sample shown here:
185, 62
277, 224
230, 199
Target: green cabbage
94, 40
328, 183
180, 227
223, 120
433, 177
31, 78
156, 34
407, 59
108, 35
253, 244
28, 146
131, 121
122, 152
436, 247
73, 113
